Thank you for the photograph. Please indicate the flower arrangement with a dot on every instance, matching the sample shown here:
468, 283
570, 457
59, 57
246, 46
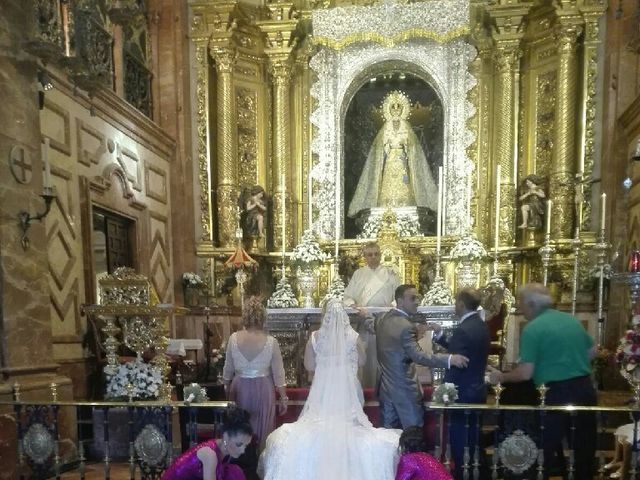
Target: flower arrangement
468, 248
439, 293
134, 379
191, 280
195, 393
218, 357
628, 356
602, 358
308, 254
405, 225
607, 272
445, 393
283, 297
336, 290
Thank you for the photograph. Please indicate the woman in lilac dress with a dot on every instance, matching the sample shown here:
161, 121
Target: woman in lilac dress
253, 370
210, 460
414, 463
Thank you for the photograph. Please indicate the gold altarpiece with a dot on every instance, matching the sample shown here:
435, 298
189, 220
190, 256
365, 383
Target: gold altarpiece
518, 82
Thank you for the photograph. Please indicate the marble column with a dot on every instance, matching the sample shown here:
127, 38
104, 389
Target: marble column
280, 70
563, 166
227, 181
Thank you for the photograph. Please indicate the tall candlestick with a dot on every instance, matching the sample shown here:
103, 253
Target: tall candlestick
439, 217
548, 219
603, 211
47, 166
496, 241
284, 230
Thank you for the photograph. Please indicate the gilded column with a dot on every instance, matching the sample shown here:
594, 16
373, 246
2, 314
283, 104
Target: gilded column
564, 165
279, 28
506, 61
280, 70
480, 152
507, 36
227, 179
587, 126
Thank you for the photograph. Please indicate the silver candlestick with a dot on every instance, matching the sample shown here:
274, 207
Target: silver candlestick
601, 248
576, 243
546, 252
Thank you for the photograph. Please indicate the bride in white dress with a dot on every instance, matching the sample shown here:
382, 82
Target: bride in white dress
332, 438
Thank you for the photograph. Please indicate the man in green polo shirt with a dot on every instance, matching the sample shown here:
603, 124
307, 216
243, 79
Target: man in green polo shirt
556, 350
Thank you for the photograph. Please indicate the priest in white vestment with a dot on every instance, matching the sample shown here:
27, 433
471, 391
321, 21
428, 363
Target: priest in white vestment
371, 286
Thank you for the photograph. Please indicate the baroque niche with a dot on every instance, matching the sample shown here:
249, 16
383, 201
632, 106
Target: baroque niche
356, 42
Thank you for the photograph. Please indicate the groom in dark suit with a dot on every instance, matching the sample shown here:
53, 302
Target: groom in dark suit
471, 339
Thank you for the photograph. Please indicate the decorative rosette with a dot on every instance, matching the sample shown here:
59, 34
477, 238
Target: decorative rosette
468, 248
308, 254
135, 379
439, 293
445, 393
283, 297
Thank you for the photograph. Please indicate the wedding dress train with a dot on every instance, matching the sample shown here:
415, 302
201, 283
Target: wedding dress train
333, 438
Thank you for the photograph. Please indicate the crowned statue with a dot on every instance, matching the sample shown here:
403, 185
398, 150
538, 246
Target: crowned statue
396, 172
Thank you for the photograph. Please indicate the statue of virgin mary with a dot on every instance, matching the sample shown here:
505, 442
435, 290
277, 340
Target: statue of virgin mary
396, 172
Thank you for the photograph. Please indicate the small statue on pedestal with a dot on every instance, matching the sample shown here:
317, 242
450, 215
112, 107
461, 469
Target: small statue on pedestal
253, 207
532, 206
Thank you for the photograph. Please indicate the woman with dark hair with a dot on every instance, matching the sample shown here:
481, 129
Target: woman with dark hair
209, 460
415, 463
253, 370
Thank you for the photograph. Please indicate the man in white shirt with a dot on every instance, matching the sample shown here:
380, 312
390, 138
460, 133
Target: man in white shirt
371, 286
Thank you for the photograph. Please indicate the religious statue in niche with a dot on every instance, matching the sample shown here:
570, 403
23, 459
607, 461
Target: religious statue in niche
396, 172
253, 209
532, 202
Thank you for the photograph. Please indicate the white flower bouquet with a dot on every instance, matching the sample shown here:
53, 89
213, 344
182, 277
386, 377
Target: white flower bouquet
283, 297
406, 226
445, 393
192, 280
439, 293
136, 380
468, 248
195, 393
308, 254
336, 290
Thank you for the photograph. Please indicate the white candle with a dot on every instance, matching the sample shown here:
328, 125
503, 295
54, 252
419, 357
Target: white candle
310, 196
439, 217
337, 212
496, 241
603, 211
548, 219
47, 166
469, 199
284, 231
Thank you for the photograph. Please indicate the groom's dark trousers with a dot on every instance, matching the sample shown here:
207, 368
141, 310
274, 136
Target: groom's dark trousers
471, 339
